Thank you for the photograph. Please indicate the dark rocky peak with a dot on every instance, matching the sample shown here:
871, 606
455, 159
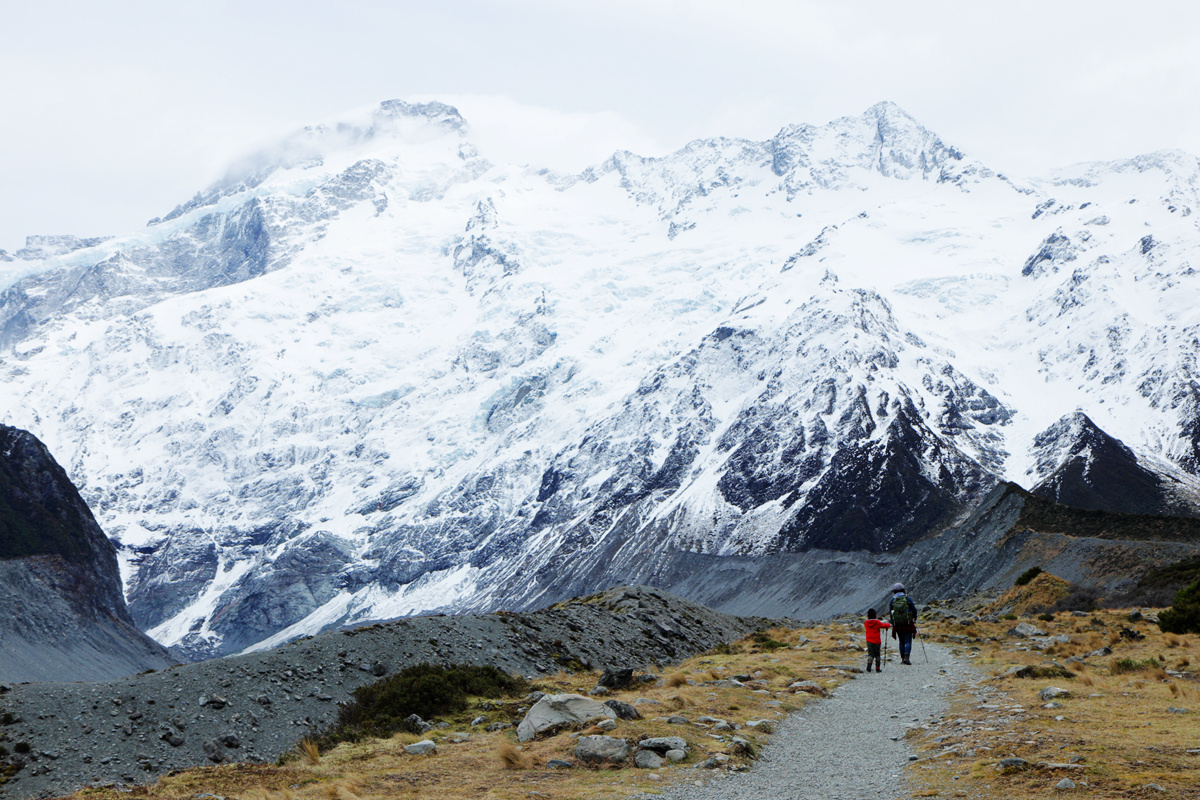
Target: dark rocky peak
884, 492
64, 616
41, 512
1078, 464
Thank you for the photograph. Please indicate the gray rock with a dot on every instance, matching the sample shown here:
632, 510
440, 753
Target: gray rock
554, 710
662, 744
601, 750
764, 725
424, 747
676, 755
216, 702
1102, 652
1176, 710
497, 726
1023, 630
648, 759
1052, 693
599, 690
558, 763
417, 724
607, 724
713, 761
1064, 784
677, 720
1012, 765
623, 710
214, 752
616, 678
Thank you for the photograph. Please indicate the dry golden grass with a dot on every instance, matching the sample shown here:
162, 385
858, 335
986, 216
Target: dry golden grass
1117, 722
1043, 591
676, 679
491, 766
309, 751
512, 758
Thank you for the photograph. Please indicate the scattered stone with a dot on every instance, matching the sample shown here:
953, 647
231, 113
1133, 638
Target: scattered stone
1101, 653
1131, 634
478, 721
213, 750
741, 746
728, 683
601, 749
1007, 765
1176, 710
811, 687
677, 720
497, 726
648, 759
230, 740
1064, 784
424, 747
722, 726
607, 724
623, 710
1023, 630
1053, 692
558, 763
172, 738
554, 710
664, 743
599, 690
616, 678
1154, 786
216, 702
1136, 615
676, 755
713, 762
764, 725
842, 667
417, 724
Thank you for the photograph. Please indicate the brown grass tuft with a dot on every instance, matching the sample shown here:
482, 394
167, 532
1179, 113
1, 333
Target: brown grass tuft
309, 751
512, 758
1086, 679
1173, 640
676, 679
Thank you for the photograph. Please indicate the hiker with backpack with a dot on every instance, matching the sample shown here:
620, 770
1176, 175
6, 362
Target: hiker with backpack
903, 614
873, 624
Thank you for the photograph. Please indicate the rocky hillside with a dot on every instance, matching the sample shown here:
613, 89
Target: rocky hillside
256, 707
63, 617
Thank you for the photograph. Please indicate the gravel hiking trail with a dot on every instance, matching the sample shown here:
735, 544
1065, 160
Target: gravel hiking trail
850, 746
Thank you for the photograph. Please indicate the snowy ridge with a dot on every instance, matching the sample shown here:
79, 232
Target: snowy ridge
375, 374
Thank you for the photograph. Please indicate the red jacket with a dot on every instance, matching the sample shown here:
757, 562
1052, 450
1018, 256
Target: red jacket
873, 626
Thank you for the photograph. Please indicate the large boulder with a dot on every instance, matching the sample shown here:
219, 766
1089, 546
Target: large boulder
601, 750
554, 710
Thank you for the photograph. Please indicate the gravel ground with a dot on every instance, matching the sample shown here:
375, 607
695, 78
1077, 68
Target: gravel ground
850, 746
65, 736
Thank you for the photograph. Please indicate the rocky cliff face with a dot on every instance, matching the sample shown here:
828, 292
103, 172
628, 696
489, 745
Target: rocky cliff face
64, 616
372, 374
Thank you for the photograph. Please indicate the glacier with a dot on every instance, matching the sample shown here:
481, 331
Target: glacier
371, 373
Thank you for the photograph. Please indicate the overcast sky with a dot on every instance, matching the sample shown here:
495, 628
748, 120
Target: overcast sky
113, 112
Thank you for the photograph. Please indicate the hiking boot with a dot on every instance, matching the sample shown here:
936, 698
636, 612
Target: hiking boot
877, 669
905, 661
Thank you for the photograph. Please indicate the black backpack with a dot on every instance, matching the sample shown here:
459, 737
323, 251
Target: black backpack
901, 615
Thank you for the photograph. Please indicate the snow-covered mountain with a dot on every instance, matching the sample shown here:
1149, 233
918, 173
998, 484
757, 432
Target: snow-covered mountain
372, 373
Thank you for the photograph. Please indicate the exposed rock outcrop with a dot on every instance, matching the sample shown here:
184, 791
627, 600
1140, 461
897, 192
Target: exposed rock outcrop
63, 616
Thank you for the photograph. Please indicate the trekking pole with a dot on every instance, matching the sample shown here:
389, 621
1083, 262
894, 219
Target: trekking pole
885, 644
922, 638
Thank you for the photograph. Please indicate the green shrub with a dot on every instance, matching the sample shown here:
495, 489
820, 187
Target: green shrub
765, 642
1123, 665
382, 708
1046, 616
1026, 576
21, 747
1184, 614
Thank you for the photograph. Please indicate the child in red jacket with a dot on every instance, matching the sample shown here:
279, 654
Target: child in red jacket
873, 626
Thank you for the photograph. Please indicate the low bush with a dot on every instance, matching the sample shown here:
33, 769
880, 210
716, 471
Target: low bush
383, 708
1026, 576
1120, 666
1184, 614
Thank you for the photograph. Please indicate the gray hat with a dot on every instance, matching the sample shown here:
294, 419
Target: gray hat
899, 587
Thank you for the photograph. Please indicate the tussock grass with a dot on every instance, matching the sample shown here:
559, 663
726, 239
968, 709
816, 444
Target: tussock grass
309, 752
676, 679
512, 758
